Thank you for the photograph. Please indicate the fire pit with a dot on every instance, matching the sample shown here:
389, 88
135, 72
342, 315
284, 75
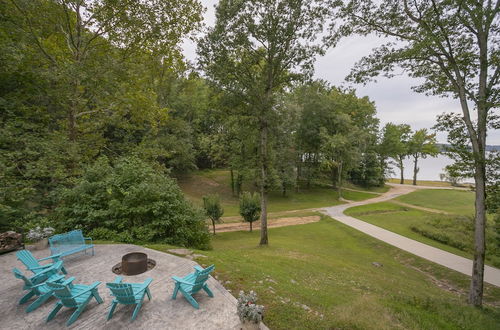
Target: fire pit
133, 264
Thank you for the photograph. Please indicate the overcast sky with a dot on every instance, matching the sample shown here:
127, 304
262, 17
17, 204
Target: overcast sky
394, 99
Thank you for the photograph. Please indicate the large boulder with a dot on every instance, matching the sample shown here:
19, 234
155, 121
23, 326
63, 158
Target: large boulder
10, 240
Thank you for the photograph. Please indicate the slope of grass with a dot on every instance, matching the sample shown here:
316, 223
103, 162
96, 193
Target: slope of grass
218, 181
452, 233
399, 219
321, 276
452, 201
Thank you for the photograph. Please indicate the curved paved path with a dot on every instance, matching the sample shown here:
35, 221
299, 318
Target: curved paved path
447, 259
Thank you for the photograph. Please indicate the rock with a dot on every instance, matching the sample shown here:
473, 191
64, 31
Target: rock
305, 307
182, 252
228, 282
293, 281
376, 264
196, 255
271, 280
260, 282
10, 240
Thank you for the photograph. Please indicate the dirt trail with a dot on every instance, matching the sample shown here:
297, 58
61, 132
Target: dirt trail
271, 223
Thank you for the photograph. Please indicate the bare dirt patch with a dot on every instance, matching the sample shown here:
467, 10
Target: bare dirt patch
271, 223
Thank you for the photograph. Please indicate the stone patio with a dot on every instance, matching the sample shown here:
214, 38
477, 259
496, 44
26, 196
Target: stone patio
160, 313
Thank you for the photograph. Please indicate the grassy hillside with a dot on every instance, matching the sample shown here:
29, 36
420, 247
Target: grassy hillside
321, 276
218, 181
452, 201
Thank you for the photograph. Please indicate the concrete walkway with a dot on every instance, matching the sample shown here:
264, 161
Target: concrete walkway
447, 259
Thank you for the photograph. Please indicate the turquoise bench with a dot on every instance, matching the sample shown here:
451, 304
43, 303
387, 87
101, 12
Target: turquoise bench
69, 243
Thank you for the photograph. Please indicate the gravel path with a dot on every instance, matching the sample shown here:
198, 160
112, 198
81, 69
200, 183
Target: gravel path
447, 259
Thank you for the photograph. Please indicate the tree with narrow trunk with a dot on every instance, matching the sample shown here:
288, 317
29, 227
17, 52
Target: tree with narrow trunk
213, 208
421, 145
250, 207
452, 46
395, 145
255, 50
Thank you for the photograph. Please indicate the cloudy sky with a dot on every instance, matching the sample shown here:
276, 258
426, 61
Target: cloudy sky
394, 99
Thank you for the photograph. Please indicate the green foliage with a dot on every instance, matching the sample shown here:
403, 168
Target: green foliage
250, 207
213, 208
133, 199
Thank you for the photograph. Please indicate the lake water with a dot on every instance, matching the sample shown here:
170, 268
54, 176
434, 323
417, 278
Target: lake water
430, 168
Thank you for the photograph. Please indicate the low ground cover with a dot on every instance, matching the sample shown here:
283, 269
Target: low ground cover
322, 276
450, 232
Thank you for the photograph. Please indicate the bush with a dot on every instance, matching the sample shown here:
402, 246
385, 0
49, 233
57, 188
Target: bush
250, 207
133, 201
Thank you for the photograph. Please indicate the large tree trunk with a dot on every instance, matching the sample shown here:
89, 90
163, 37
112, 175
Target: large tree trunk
213, 225
476, 287
263, 184
415, 170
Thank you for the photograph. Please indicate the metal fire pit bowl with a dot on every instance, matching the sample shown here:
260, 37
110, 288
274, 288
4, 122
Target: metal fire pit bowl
133, 264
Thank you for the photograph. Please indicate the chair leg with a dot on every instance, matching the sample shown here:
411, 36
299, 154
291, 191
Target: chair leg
63, 270
136, 310
148, 293
76, 314
37, 303
174, 295
112, 309
54, 311
98, 298
208, 291
26, 297
191, 300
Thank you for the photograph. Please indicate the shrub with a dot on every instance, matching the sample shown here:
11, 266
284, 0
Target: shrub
250, 207
104, 234
247, 308
213, 209
135, 200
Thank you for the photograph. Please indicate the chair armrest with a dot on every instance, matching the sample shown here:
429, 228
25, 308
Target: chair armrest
198, 268
180, 280
88, 238
91, 287
40, 267
54, 257
68, 281
54, 279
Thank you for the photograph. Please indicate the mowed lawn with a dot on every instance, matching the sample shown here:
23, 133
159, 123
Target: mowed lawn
399, 219
321, 276
452, 201
218, 181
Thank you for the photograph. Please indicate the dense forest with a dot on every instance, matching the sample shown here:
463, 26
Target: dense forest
99, 112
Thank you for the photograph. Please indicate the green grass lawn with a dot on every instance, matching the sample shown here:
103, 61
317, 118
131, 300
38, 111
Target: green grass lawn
320, 276
398, 219
425, 182
217, 181
452, 201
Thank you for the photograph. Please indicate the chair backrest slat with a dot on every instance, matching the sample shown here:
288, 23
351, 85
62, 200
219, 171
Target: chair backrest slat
201, 278
27, 258
63, 293
123, 292
20, 275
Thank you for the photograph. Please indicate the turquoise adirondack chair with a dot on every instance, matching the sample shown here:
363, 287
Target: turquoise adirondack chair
42, 291
33, 264
192, 283
73, 296
128, 294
